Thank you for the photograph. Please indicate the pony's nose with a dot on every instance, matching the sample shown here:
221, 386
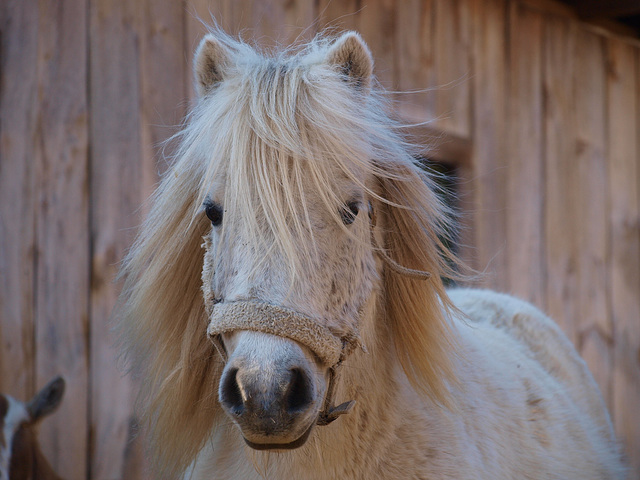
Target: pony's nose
270, 399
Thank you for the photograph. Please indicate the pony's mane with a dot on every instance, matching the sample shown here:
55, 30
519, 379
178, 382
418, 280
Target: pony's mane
274, 120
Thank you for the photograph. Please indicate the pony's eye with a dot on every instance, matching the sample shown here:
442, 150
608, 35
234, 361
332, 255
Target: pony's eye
214, 212
349, 212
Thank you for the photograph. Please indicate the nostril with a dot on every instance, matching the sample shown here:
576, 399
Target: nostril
298, 395
230, 394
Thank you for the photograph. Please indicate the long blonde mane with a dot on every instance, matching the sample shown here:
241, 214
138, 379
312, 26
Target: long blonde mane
277, 119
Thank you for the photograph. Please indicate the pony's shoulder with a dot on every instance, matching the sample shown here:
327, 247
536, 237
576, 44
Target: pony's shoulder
507, 328
528, 326
477, 304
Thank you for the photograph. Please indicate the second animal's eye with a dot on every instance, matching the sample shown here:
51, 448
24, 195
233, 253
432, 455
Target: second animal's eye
214, 212
349, 212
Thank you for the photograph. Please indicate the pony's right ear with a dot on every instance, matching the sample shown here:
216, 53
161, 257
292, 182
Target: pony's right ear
209, 65
350, 55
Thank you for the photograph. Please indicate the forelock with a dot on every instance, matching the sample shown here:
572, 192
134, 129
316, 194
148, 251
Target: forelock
277, 120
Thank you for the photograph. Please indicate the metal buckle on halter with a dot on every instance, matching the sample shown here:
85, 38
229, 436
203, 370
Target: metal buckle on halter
330, 412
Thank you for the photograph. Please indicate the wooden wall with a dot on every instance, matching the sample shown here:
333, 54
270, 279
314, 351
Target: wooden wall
541, 114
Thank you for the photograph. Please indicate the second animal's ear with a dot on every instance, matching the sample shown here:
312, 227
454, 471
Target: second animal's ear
353, 59
209, 64
47, 399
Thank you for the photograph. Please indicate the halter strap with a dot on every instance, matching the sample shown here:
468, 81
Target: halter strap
282, 322
330, 412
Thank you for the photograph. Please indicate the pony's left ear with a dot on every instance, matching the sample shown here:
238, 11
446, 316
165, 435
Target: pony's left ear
47, 399
211, 60
351, 56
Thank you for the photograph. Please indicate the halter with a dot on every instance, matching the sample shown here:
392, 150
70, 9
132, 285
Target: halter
283, 322
330, 348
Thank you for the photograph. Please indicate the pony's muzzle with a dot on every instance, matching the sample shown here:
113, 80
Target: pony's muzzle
280, 370
270, 392
269, 405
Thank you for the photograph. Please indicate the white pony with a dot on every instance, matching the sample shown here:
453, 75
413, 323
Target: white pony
310, 335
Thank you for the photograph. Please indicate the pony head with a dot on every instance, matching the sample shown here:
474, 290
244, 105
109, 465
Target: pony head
20, 454
283, 166
288, 266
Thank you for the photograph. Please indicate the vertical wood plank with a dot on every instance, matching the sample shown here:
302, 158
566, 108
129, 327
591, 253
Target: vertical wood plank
561, 181
342, 15
452, 64
596, 332
415, 75
117, 186
273, 23
525, 182
631, 398
577, 193
623, 154
434, 60
18, 113
376, 23
62, 310
163, 84
489, 134
201, 14
163, 100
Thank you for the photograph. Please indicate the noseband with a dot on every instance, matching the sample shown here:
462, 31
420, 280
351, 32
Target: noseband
283, 322
330, 348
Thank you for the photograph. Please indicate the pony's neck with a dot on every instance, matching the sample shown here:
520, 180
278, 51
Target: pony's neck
388, 418
374, 379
